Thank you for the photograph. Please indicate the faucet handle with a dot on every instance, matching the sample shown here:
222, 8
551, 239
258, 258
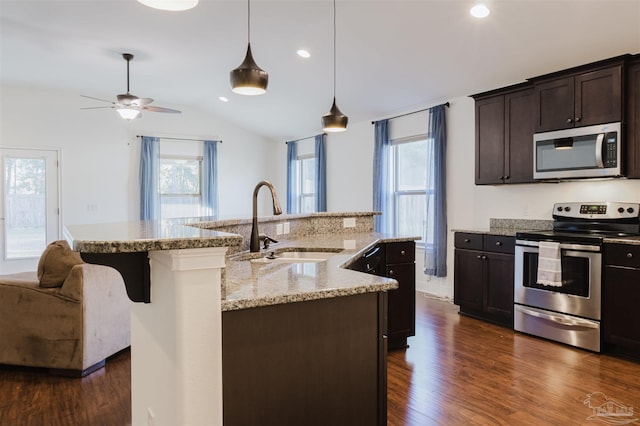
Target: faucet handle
266, 240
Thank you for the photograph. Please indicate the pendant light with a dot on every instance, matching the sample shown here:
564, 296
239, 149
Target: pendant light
249, 78
335, 120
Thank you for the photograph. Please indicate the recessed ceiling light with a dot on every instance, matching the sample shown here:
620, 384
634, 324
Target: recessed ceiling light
223, 99
171, 5
480, 10
303, 53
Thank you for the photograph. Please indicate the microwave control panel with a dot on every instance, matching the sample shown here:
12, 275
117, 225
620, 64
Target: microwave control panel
611, 149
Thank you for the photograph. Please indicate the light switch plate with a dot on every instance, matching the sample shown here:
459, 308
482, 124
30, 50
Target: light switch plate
286, 227
279, 229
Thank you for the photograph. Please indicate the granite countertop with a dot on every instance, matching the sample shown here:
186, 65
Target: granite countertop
247, 283
127, 237
250, 284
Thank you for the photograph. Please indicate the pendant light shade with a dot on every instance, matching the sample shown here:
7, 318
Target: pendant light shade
249, 78
335, 120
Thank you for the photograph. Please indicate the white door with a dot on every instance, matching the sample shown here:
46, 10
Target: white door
29, 207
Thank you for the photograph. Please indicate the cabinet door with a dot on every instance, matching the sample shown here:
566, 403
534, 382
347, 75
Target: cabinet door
554, 104
598, 97
621, 298
519, 122
467, 279
632, 136
490, 140
498, 296
402, 302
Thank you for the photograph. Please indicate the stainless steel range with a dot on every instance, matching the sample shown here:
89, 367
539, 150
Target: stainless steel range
558, 273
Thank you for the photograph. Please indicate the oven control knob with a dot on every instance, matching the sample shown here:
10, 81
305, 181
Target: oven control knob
630, 210
620, 209
567, 209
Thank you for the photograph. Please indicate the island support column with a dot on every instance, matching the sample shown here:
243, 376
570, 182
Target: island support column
176, 341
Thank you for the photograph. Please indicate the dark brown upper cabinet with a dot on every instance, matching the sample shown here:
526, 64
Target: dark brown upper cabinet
632, 134
504, 135
582, 96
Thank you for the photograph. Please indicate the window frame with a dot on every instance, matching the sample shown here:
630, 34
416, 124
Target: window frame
166, 196
302, 196
396, 193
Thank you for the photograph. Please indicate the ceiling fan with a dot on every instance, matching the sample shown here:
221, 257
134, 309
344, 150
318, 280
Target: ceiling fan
130, 106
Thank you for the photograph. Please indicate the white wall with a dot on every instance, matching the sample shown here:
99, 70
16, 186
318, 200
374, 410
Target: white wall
349, 182
100, 165
100, 152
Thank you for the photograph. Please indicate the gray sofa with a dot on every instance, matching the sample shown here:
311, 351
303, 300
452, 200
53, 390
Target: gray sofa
71, 328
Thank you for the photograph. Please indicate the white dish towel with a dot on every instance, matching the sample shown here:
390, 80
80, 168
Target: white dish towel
549, 264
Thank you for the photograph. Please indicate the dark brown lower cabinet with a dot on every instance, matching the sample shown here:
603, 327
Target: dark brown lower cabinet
483, 276
320, 362
395, 260
621, 299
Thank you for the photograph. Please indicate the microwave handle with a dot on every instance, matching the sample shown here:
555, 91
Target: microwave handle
599, 140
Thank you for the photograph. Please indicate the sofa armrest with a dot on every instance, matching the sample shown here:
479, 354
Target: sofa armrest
106, 309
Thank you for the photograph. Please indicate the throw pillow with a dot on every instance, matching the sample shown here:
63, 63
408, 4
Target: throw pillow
56, 263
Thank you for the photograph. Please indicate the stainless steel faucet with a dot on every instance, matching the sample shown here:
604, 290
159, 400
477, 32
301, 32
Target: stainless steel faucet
255, 236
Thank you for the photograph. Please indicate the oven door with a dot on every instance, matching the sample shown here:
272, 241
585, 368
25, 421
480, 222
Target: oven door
580, 293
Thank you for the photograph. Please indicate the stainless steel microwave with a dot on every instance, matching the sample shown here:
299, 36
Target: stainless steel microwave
580, 152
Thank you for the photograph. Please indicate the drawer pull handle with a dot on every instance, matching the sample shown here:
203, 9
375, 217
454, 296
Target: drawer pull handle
390, 271
478, 257
498, 243
466, 240
629, 255
402, 253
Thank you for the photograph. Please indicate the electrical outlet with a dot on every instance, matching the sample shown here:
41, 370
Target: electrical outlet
349, 222
349, 244
286, 228
92, 207
279, 229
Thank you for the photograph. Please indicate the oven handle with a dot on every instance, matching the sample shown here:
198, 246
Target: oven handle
577, 247
572, 322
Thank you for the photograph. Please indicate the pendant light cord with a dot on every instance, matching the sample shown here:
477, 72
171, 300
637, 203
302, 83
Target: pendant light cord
334, 49
248, 21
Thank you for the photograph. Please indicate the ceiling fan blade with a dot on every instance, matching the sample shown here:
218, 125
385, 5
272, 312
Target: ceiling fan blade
97, 99
142, 101
101, 107
160, 109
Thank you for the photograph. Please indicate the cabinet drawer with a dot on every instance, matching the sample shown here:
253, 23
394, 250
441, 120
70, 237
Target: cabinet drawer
403, 252
623, 255
464, 240
499, 244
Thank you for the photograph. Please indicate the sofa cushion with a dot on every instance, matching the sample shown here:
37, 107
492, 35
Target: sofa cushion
56, 263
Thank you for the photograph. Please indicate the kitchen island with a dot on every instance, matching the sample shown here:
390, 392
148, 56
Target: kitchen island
302, 342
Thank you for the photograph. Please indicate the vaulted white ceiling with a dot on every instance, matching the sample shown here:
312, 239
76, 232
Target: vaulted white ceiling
392, 55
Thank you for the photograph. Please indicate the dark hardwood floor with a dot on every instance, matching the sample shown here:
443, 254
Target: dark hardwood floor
457, 371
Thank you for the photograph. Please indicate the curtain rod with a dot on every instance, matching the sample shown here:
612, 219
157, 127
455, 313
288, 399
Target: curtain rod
414, 112
177, 139
308, 137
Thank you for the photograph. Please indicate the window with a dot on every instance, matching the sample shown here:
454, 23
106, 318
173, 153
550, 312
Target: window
409, 190
180, 186
30, 206
306, 184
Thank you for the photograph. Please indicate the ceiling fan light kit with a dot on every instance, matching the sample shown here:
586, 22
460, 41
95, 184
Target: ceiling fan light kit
335, 120
130, 106
249, 78
128, 113
170, 5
